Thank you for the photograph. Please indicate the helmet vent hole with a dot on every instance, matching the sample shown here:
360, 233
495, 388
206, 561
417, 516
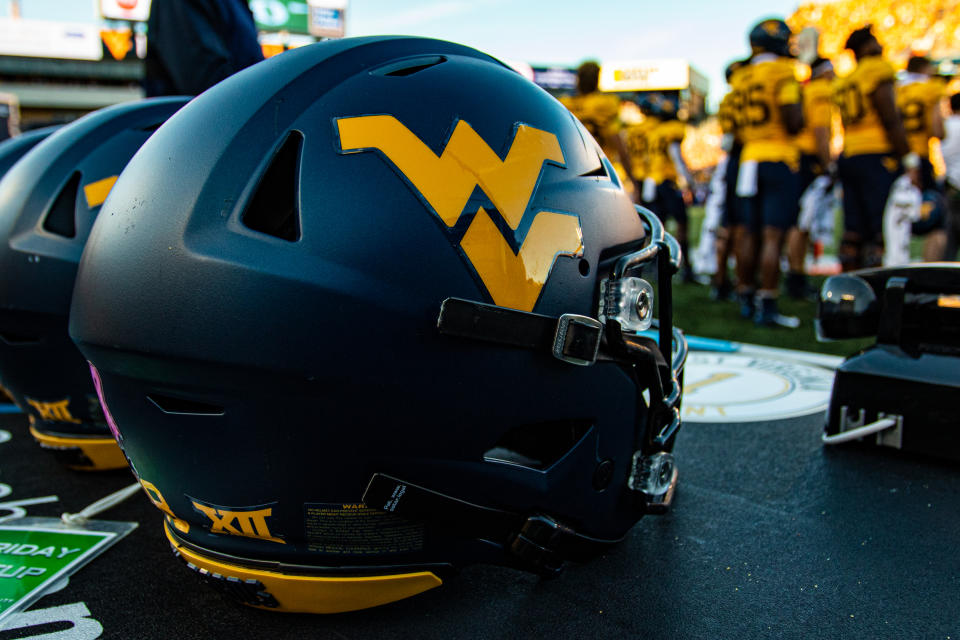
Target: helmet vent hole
152, 127
537, 446
61, 219
182, 406
275, 206
584, 267
599, 172
410, 66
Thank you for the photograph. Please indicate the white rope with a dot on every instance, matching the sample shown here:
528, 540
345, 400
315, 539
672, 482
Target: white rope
859, 432
82, 517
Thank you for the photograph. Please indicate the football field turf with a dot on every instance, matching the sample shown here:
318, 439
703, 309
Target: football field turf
696, 314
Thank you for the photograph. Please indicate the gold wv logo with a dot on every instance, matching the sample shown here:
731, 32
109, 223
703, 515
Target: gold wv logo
447, 182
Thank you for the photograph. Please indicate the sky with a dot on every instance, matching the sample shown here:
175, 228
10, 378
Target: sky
708, 33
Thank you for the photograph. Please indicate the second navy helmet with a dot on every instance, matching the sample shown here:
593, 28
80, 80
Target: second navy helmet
48, 202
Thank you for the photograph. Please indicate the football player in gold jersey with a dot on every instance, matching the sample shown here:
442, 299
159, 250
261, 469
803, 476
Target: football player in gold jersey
732, 143
875, 149
636, 141
815, 160
918, 100
661, 189
599, 113
771, 115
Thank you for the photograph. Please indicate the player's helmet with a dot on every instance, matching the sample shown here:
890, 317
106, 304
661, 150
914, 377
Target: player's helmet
771, 36
48, 202
336, 308
12, 149
644, 104
667, 109
933, 213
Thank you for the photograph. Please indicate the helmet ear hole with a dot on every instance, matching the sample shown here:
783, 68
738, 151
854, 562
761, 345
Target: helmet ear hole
19, 339
182, 406
61, 219
275, 207
537, 446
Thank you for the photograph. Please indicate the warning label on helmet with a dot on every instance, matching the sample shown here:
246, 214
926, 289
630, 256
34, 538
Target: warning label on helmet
355, 529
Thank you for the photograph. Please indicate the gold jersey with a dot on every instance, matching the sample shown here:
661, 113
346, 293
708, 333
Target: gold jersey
817, 113
916, 102
638, 146
727, 114
600, 115
664, 134
863, 130
761, 88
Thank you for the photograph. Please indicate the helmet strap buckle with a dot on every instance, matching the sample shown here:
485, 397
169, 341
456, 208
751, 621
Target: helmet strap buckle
577, 340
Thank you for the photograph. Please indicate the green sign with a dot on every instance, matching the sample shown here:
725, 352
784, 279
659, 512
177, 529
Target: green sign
35, 552
280, 15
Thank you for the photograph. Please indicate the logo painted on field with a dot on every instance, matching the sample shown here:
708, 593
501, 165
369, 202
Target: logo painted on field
744, 388
511, 250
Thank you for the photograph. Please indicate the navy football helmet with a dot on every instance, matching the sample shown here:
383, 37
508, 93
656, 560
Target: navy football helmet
48, 202
373, 310
771, 36
12, 149
933, 213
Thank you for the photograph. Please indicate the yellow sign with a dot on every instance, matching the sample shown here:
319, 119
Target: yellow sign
118, 41
446, 183
646, 75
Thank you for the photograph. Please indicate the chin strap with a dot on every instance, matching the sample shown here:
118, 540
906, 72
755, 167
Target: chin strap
536, 543
572, 338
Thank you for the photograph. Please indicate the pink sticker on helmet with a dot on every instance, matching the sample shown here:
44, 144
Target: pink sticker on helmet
103, 403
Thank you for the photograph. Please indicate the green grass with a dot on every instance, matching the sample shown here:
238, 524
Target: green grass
696, 314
